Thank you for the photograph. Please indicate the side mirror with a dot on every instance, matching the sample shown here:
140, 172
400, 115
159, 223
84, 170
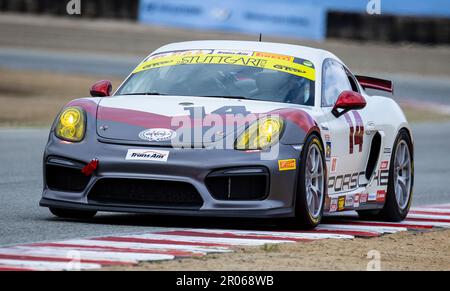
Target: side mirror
347, 101
101, 89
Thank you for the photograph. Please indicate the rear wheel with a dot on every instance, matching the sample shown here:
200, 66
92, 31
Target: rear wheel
401, 182
311, 189
73, 214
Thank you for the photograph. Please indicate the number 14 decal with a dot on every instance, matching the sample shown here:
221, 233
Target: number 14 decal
356, 131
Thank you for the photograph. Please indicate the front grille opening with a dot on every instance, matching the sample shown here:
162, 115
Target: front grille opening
66, 179
240, 185
147, 193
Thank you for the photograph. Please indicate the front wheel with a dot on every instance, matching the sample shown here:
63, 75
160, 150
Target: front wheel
311, 185
401, 181
72, 214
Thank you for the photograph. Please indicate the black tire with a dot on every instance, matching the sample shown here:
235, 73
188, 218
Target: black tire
303, 218
72, 214
391, 211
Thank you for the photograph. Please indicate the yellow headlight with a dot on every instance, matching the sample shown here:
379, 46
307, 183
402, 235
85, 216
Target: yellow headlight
261, 134
70, 117
71, 125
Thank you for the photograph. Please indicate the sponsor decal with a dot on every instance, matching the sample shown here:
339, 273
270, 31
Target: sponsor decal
287, 165
178, 53
349, 182
333, 165
384, 165
274, 56
264, 62
363, 198
334, 205
356, 200
308, 63
157, 134
349, 201
381, 196
147, 155
328, 151
233, 52
372, 197
341, 203
387, 150
327, 137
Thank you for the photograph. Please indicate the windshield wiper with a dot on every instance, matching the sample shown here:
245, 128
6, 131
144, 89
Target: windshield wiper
147, 93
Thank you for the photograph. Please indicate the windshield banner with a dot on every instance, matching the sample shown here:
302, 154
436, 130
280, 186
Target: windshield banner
286, 64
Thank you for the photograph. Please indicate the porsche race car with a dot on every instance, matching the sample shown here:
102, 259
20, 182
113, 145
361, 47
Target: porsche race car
233, 129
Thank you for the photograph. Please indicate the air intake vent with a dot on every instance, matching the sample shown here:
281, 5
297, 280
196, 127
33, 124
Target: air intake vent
147, 193
239, 184
67, 179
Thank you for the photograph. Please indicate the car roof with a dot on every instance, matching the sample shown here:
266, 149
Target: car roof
317, 56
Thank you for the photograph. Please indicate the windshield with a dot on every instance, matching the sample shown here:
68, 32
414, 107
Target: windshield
269, 77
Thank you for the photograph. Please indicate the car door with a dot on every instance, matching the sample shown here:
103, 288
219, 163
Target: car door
347, 148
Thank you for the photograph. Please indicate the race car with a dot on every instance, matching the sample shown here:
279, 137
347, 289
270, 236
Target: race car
233, 129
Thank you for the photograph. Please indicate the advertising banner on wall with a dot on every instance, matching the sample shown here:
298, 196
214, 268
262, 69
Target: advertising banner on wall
304, 19
290, 19
421, 8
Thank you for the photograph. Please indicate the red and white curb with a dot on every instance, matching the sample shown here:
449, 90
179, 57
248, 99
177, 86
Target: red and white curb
95, 253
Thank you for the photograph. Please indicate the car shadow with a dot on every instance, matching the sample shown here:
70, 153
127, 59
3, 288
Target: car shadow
164, 221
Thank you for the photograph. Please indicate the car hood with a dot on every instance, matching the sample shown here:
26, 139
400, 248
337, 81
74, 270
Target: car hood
151, 119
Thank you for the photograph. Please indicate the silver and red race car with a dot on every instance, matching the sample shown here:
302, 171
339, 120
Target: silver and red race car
233, 129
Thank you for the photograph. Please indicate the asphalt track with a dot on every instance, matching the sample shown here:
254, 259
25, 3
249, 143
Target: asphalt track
408, 87
23, 221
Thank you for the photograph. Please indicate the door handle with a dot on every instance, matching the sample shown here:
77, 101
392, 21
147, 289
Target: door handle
371, 128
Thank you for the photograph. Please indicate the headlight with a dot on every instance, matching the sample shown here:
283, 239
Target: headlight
261, 134
71, 125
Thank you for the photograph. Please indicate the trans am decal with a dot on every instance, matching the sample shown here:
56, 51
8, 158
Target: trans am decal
274, 62
147, 155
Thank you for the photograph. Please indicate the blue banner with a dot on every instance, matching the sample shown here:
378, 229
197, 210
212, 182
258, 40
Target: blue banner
305, 19
291, 19
428, 8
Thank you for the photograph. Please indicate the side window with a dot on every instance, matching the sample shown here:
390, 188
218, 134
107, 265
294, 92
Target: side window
335, 81
352, 81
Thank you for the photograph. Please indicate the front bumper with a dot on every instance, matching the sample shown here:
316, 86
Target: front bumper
191, 166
